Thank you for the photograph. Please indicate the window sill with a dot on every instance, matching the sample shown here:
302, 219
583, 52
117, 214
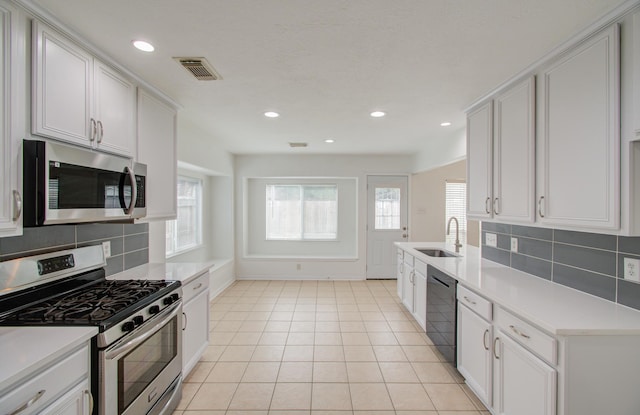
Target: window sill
298, 258
184, 251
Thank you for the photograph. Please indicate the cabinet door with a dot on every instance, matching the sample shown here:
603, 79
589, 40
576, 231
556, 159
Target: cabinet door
77, 401
636, 73
407, 287
399, 269
514, 153
420, 299
157, 149
115, 108
579, 174
479, 163
12, 118
195, 336
524, 384
62, 79
474, 353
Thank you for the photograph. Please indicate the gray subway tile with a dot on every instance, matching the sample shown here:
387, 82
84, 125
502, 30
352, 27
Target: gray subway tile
535, 248
589, 282
115, 264
136, 242
496, 255
489, 226
621, 257
133, 228
532, 232
538, 267
117, 244
629, 293
496, 227
47, 238
135, 258
504, 242
595, 260
95, 231
591, 240
629, 244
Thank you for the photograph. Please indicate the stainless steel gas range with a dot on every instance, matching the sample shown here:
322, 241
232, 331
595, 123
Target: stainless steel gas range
137, 355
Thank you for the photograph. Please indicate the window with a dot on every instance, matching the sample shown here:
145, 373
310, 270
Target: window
185, 232
387, 208
456, 205
302, 212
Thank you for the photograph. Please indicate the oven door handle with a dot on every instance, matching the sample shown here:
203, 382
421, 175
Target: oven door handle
123, 347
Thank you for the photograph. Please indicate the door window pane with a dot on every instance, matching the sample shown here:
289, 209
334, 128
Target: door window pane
301, 212
387, 208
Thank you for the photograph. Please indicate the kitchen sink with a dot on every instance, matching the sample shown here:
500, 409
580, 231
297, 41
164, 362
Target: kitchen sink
437, 252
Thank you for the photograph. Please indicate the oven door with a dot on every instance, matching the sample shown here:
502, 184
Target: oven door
140, 374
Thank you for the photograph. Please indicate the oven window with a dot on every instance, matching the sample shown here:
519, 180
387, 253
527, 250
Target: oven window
138, 368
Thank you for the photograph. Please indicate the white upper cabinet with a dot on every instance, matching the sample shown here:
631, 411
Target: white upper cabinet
12, 117
157, 149
514, 153
579, 144
479, 164
636, 73
78, 99
501, 156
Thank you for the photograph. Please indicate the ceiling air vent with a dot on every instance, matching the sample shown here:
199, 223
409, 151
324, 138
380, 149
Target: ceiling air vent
297, 145
199, 68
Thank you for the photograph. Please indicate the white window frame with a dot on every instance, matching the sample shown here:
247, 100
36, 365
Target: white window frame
302, 187
172, 225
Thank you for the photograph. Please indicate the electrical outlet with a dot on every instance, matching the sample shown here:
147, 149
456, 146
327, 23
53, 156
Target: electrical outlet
632, 269
106, 248
514, 244
491, 239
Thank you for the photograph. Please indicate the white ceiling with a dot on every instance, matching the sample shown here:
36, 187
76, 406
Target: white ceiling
325, 64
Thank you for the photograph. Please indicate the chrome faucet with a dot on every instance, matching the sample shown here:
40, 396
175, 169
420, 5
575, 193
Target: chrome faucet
457, 244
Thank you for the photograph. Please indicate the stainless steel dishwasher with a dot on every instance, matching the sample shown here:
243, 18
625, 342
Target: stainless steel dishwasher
442, 312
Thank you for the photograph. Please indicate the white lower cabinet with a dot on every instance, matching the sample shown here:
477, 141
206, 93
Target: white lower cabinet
399, 272
524, 384
195, 335
60, 387
420, 294
407, 282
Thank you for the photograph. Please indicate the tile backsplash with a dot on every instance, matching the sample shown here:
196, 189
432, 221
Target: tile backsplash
129, 242
588, 262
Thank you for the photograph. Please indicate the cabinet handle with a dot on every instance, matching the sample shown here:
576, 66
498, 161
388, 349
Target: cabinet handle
101, 132
469, 300
540, 206
495, 206
28, 403
495, 347
88, 393
484, 339
197, 286
402, 268
486, 205
186, 320
94, 130
519, 333
17, 205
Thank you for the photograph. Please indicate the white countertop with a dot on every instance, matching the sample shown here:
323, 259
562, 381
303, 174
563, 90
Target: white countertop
179, 271
558, 309
25, 349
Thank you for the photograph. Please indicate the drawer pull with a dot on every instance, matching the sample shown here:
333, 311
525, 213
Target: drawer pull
197, 286
484, 339
28, 403
495, 347
469, 301
518, 332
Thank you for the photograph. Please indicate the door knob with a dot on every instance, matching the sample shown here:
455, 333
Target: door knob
404, 235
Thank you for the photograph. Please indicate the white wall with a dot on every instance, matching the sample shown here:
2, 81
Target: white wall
440, 151
254, 166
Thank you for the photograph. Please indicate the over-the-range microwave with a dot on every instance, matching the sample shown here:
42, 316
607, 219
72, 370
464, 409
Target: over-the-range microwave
66, 184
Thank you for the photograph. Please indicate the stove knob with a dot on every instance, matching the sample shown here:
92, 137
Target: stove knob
137, 320
175, 297
128, 326
154, 309
168, 300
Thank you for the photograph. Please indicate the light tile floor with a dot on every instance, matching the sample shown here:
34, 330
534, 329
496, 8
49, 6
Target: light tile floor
320, 348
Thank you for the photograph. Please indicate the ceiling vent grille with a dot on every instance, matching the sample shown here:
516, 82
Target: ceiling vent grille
297, 145
199, 68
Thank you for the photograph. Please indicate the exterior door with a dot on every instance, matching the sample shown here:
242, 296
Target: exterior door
386, 223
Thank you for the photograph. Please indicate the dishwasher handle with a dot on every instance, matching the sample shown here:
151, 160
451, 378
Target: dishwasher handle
440, 281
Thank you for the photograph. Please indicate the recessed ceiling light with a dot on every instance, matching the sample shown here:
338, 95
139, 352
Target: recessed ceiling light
377, 114
329, 140
271, 114
445, 124
143, 46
